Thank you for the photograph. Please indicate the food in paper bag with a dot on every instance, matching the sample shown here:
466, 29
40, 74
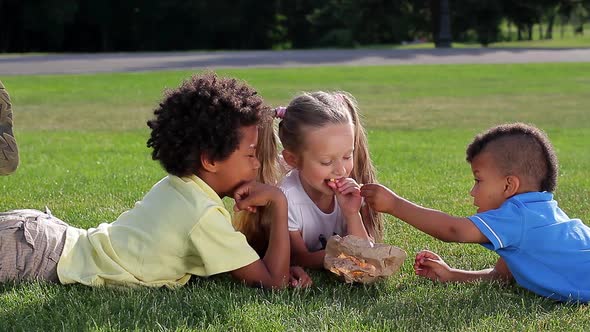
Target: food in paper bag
358, 260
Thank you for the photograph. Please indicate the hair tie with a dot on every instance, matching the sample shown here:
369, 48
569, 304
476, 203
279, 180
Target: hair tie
280, 112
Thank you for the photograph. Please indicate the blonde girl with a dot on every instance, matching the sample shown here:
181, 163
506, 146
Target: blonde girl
325, 147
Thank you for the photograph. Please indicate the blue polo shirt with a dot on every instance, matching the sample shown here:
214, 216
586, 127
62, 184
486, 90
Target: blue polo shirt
547, 252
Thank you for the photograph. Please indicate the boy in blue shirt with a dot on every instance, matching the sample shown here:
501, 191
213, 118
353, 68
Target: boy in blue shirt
540, 247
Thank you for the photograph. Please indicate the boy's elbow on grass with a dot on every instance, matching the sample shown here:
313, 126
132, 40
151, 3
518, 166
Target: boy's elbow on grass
259, 275
279, 284
274, 283
268, 284
278, 280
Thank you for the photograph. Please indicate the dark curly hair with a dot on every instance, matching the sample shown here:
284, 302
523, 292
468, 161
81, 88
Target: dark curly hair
203, 115
519, 149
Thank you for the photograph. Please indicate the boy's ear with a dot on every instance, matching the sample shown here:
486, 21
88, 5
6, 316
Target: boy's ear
290, 158
511, 186
208, 164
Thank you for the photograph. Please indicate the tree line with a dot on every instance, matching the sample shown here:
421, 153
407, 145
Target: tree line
158, 25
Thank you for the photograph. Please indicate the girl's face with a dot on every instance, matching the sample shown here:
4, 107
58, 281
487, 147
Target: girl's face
327, 154
241, 166
488, 191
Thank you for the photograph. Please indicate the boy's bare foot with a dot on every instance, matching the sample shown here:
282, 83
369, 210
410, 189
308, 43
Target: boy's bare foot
8, 148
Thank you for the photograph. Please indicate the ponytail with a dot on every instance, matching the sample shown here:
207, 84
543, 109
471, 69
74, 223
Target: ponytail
304, 111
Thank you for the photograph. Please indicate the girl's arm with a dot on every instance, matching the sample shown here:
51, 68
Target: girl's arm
272, 271
303, 257
433, 222
429, 265
348, 195
355, 226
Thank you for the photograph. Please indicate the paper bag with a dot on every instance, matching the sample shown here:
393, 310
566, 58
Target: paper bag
357, 260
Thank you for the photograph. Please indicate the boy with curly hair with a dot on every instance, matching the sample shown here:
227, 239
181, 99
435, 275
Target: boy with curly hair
205, 135
540, 247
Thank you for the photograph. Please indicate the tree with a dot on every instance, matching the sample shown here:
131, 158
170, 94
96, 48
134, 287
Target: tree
441, 23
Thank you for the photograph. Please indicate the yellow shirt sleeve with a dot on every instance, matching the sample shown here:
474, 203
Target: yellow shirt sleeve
221, 247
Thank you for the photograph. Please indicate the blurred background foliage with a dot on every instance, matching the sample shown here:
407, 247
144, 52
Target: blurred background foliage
162, 25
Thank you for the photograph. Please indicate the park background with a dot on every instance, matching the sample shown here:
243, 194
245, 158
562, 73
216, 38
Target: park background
82, 141
156, 25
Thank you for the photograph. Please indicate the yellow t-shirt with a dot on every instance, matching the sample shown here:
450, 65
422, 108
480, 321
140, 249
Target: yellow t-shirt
180, 228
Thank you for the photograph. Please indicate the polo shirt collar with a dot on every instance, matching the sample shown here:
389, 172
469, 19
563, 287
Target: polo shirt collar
534, 196
204, 188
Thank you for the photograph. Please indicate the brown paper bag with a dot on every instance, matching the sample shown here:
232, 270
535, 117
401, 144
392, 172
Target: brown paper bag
357, 260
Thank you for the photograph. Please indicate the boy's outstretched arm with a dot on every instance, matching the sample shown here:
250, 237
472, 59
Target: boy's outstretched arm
272, 271
429, 265
433, 222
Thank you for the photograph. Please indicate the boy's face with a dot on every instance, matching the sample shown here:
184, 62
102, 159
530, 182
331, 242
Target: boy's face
328, 154
488, 192
241, 166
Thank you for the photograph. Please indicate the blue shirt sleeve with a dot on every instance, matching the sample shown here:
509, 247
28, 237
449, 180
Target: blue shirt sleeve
503, 226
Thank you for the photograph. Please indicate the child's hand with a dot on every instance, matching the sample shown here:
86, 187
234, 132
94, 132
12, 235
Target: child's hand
348, 195
379, 197
298, 278
252, 194
429, 265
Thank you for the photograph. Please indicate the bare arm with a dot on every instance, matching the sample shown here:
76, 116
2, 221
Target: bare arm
433, 222
431, 266
303, 257
355, 226
348, 195
272, 271
499, 272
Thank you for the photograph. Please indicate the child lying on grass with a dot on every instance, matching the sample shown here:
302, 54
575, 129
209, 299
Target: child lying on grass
540, 247
205, 135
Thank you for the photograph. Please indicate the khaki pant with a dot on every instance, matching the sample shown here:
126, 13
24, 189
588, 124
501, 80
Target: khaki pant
8, 147
31, 243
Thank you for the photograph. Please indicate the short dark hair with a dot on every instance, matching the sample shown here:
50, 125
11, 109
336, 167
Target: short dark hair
203, 115
519, 149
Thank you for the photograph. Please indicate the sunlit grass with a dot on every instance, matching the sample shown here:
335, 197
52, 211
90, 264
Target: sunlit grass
82, 142
562, 37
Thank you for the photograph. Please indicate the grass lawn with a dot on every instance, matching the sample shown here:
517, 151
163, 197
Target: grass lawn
82, 143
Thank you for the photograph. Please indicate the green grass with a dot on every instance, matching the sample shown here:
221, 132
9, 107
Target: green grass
82, 142
563, 37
